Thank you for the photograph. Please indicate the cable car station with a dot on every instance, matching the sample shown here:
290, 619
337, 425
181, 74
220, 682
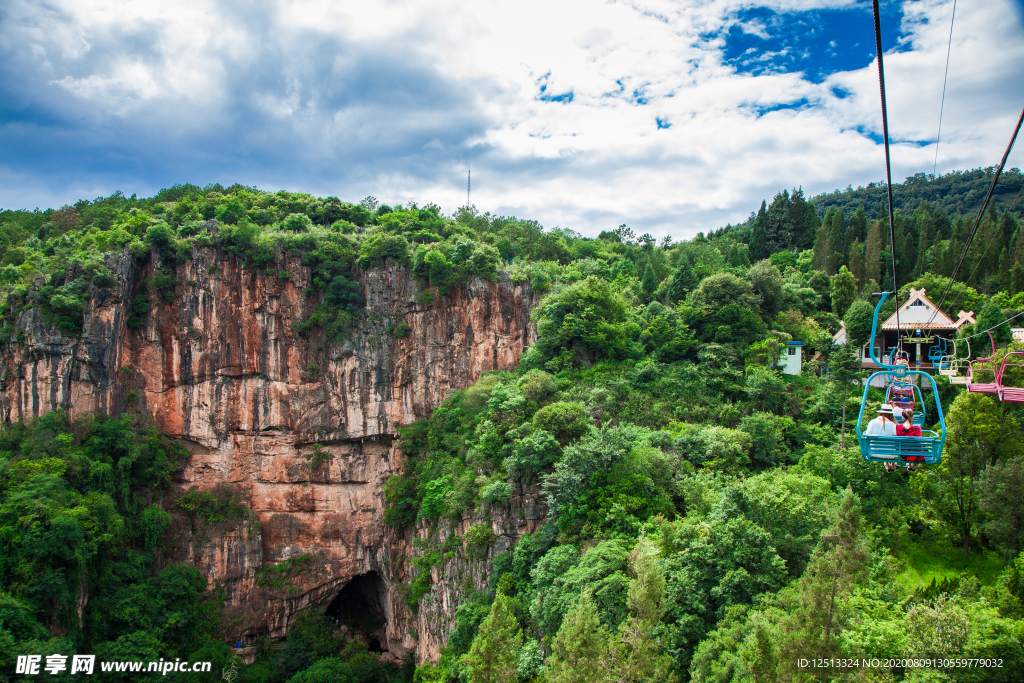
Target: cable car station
925, 333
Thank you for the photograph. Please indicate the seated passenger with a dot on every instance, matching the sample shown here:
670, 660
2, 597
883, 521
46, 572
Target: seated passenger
908, 428
883, 425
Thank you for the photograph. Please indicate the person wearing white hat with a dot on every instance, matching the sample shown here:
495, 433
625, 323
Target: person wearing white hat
883, 425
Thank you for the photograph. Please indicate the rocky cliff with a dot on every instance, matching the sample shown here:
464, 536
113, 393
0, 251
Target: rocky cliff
221, 368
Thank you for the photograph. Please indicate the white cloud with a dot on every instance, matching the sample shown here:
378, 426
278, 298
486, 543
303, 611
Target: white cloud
395, 98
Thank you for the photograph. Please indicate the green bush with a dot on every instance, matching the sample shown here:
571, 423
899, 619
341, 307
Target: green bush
329, 670
497, 492
138, 312
318, 456
609, 481
566, 421
231, 212
533, 454
381, 246
103, 279
768, 433
63, 306
400, 498
584, 322
477, 539
213, 505
164, 282
280, 575
402, 330
766, 389
538, 385
297, 222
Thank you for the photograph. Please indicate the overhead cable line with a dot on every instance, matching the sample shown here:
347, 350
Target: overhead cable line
949, 47
981, 214
984, 253
888, 173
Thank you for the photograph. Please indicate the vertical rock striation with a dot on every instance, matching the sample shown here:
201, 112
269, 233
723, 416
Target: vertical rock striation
222, 368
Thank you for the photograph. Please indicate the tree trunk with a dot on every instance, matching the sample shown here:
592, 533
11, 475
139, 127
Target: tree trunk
831, 606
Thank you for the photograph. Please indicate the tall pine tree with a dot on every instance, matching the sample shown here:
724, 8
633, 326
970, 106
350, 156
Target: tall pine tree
844, 291
836, 243
857, 262
838, 565
580, 652
873, 253
921, 267
1017, 279
803, 221
822, 244
758, 237
635, 653
649, 283
773, 228
494, 656
858, 229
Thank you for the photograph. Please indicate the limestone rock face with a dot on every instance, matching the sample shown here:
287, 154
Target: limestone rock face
222, 368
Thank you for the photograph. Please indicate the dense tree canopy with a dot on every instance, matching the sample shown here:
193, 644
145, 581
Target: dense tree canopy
708, 518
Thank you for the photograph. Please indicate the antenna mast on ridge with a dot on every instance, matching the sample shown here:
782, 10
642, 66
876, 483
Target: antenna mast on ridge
469, 177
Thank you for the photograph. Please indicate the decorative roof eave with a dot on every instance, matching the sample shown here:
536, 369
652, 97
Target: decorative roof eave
919, 326
965, 318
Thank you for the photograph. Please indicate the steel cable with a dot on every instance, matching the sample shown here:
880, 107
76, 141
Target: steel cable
981, 214
984, 253
888, 173
949, 47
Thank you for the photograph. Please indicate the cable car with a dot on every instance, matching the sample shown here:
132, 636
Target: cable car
899, 400
951, 365
981, 372
891, 449
937, 353
1013, 394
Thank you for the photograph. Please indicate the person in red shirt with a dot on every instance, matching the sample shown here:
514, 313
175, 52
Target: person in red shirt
908, 428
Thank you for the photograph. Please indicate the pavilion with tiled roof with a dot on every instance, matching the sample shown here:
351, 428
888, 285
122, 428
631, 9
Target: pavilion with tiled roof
921, 325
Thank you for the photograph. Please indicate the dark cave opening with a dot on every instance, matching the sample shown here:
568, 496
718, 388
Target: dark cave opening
359, 609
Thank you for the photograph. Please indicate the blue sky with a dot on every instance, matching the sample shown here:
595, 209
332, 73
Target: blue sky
670, 116
817, 43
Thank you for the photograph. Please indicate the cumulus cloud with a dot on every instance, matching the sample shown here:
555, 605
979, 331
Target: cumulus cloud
670, 115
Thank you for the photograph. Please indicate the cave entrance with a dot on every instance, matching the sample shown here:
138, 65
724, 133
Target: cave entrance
359, 610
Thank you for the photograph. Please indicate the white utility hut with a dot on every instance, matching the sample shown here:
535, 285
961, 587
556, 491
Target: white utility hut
792, 359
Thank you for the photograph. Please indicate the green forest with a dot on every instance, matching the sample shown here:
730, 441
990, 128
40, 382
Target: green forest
710, 518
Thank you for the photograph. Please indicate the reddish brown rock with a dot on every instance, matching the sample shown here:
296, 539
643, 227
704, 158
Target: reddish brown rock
221, 368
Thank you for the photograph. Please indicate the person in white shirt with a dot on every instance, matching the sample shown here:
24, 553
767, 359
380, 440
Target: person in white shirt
883, 425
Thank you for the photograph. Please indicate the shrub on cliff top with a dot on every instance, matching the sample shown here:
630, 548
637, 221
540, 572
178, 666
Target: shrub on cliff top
377, 248
297, 222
